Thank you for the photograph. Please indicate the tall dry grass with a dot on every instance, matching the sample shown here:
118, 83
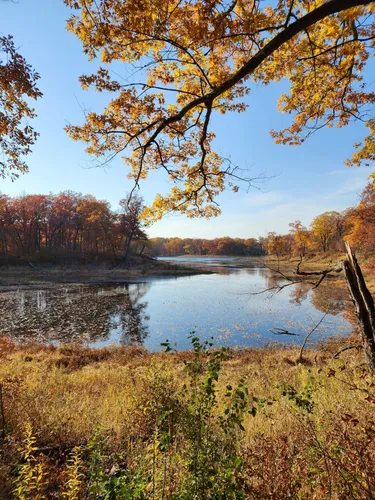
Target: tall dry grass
124, 423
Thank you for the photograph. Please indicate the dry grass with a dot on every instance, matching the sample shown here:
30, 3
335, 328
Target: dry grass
310, 436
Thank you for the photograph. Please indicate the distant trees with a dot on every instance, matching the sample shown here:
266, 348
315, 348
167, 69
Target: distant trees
362, 219
68, 223
217, 246
277, 244
323, 228
329, 230
301, 237
326, 234
82, 226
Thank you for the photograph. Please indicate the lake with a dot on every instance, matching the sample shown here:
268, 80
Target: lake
227, 306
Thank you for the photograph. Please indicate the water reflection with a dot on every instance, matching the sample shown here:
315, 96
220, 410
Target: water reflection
299, 293
129, 323
325, 299
334, 303
218, 305
85, 314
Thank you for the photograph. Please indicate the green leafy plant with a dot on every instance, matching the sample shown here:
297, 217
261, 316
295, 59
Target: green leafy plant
31, 478
210, 433
75, 476
302, 400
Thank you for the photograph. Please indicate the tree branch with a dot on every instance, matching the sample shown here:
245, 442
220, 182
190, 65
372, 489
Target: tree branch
325, 10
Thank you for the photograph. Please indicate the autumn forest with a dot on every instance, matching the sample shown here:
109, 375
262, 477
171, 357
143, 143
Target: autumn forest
72, 226
144, 355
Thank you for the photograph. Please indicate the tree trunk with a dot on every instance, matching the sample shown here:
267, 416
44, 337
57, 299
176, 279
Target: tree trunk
361, 297
127, 248
364, 304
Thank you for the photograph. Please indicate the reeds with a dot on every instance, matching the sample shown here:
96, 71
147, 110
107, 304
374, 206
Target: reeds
207, 423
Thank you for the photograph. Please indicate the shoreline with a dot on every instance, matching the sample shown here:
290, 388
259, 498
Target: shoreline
14, 277
50, 276
287, 266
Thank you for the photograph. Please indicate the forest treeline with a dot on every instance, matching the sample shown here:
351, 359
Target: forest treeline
329, 230
196, 246
325, 235
71, 225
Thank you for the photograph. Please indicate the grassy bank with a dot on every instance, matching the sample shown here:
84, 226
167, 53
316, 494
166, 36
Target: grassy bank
124, 423
50, 275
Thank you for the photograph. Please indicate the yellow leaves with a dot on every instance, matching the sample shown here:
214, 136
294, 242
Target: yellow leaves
365, 151
187, 50
17, 87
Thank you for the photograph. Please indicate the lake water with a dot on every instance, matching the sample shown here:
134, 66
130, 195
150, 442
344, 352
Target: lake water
226, 305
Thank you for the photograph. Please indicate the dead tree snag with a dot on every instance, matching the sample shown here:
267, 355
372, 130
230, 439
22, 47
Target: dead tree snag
360, 295
363, 303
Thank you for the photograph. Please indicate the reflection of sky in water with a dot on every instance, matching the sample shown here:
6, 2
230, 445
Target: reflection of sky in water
221, 306
217, 305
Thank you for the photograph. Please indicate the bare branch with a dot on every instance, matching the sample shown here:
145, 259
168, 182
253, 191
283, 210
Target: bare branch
355, 346
281, 331
300, 357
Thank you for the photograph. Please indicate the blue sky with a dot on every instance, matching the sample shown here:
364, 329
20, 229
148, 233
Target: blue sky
304, 181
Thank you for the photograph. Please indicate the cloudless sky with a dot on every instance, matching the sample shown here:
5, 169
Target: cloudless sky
303, 181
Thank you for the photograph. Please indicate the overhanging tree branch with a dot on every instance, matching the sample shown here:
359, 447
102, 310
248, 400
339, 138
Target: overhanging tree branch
325, 10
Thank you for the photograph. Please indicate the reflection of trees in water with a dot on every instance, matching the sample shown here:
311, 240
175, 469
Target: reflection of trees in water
80, 314
330, 300
299, 293
130, 319
272, 280
326, 299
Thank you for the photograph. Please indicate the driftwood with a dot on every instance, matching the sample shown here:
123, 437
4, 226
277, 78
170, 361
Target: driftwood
281, 331
337, 268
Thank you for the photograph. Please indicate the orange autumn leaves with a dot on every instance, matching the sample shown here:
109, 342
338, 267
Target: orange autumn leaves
67, 226
194, 58
329, 230
17, 86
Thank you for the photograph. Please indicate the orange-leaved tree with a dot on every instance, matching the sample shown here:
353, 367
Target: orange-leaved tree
329, 229
195, 58
362, 219
17, 86
301, 237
